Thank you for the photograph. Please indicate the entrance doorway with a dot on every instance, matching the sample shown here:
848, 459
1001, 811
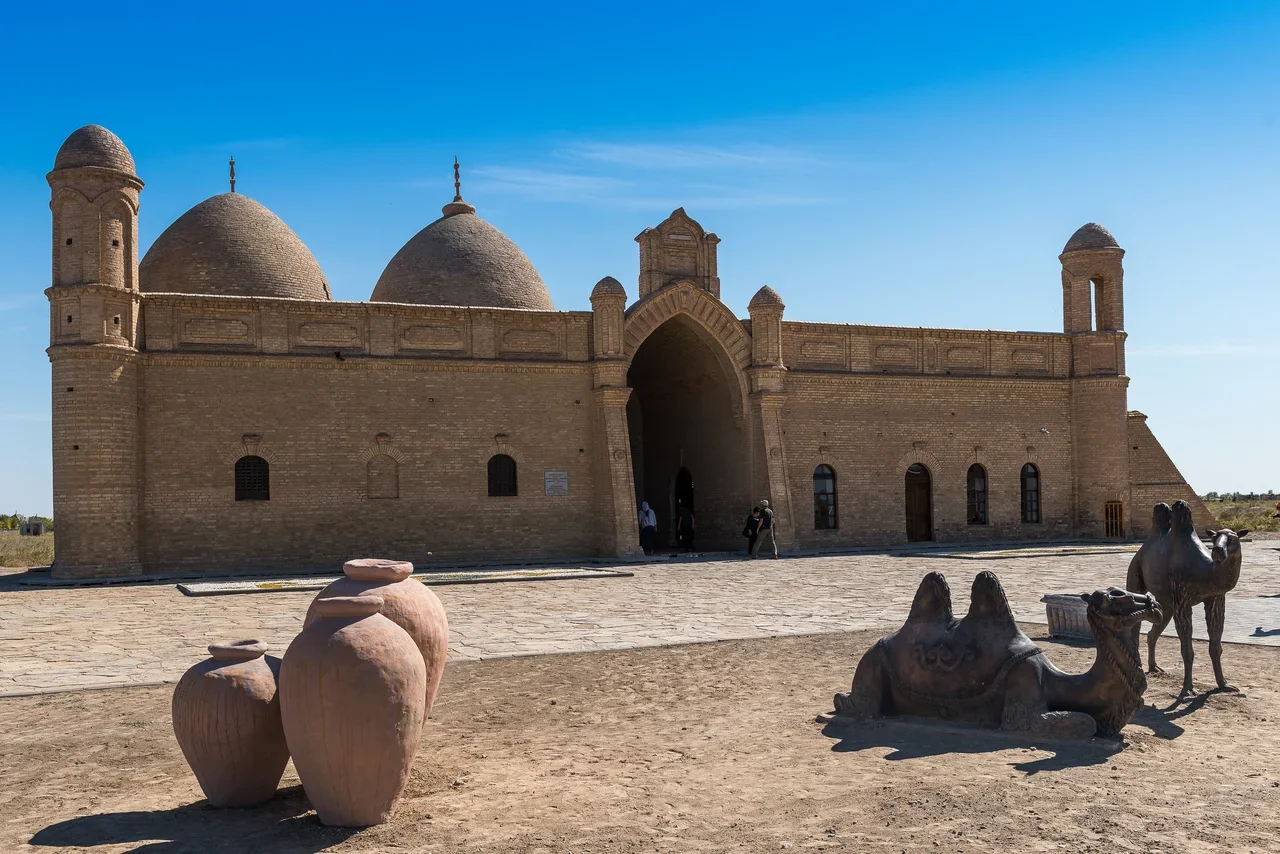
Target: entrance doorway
681, 420
919, 504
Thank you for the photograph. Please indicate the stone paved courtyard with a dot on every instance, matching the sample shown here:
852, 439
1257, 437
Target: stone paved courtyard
71, 638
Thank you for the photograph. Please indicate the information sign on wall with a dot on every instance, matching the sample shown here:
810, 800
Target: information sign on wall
556, 482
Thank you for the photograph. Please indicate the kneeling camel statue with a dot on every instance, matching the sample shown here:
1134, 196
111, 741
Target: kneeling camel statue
983, 670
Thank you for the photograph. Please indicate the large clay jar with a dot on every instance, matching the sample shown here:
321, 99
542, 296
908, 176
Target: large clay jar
226, 716
408, 603
352, 697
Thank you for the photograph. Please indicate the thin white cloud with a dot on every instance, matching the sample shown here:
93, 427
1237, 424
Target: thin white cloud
1190, 351
540, 181
677, 156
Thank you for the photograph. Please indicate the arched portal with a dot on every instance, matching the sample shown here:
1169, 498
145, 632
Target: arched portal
685, 438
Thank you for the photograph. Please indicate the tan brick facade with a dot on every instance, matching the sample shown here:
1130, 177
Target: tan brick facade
377, 421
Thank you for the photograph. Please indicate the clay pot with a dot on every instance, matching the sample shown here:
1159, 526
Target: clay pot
408, 603
226, 717
352, 698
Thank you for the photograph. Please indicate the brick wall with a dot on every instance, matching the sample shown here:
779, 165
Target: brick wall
318, 420
1156, 479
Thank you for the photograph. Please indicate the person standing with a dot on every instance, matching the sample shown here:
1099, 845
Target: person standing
751, 530
766, 530
684, 526
648, 527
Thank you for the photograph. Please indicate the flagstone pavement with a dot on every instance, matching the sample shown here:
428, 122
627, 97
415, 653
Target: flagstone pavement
59, 639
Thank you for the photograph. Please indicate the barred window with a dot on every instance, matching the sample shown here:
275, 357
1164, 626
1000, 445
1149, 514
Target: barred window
825, 514
253, 479
977, 492
502, 476
1030, 493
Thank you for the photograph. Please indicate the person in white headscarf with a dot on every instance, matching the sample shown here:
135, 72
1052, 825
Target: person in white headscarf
648, 527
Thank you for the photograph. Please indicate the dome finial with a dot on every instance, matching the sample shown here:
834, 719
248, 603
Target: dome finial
233, 174
458, 205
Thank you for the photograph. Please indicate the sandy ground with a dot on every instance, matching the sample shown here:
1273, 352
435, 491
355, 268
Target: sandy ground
708, 747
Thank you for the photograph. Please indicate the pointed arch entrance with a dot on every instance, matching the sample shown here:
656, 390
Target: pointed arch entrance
688, 435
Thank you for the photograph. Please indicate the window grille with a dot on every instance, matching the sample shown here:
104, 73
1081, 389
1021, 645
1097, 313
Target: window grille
977, 494
253, 479
1030, 494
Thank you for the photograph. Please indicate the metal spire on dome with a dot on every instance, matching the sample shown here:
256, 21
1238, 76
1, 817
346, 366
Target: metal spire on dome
233, 174
458, 205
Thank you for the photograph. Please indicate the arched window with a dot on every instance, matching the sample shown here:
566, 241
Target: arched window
977, 491
1030, 493
825, 515
384, 477
502, 475
253, 479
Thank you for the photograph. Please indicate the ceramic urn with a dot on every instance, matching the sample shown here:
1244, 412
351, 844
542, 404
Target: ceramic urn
352, 698
226, 717
408, 603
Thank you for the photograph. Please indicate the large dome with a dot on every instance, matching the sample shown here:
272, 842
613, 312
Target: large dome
230, 245
94, 145
462, 260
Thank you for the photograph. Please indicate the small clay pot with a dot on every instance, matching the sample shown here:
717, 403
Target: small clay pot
352, 698
226, 717
408, 603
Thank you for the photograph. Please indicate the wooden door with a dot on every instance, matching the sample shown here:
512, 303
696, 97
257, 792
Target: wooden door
919, 504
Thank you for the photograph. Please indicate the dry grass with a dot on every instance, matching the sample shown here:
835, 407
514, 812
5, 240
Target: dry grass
19, 551
1251, 515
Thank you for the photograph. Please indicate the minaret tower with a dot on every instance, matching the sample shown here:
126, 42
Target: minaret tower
1093, 315
94, 309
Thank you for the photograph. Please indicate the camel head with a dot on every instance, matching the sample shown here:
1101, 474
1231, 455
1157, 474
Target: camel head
1226, 543
1119, 609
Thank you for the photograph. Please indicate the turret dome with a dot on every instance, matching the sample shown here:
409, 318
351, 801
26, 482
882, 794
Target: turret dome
230, 245
94, 146
462, 260
1091, 236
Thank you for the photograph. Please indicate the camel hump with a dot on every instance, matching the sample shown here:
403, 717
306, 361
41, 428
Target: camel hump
1182, 521
933, 600
1161, 519
988, 601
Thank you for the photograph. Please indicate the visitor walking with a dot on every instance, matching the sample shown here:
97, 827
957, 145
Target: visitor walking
684, 526
648, 527
766, 530
751, 530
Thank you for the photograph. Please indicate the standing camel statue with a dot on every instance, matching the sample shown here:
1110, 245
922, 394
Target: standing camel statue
1175, 567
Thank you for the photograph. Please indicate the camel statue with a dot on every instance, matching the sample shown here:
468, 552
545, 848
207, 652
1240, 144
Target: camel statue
1175, 567
984, 670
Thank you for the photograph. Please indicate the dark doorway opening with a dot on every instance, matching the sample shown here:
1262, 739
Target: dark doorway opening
681, 420
919, 504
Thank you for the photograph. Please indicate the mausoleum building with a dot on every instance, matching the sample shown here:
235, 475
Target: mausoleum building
215, 409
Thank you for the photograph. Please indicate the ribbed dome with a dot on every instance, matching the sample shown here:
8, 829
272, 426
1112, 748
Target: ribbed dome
230, 245
766, 297
608, 287
1091, 236
462, 260
94, 145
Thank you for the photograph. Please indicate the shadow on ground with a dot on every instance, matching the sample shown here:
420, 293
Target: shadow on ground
280, 825
917, 740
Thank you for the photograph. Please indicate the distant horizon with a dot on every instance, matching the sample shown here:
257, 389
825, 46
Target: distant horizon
913, 167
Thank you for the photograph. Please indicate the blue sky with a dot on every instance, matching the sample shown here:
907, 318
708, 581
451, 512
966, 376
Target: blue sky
916, 164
